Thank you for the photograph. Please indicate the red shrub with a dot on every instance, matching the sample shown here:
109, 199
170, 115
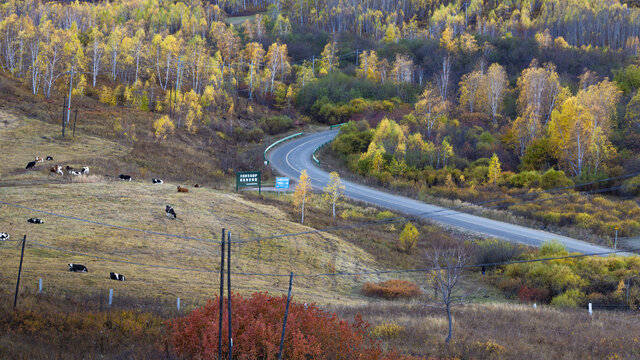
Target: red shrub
257, 325
533, 294
391, 289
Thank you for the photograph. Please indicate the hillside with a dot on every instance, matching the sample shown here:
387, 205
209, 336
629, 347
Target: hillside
203, 212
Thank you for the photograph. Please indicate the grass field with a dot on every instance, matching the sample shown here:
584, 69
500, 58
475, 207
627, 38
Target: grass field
139, 204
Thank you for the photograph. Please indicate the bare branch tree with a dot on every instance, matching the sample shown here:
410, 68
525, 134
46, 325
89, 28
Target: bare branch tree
447, 271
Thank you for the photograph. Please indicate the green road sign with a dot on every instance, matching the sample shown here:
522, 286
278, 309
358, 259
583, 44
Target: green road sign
248, 179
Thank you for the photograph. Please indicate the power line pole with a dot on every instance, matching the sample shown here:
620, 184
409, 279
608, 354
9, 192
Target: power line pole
75, 119
64, 109
15, 299
221, 297
229, 292
286, 314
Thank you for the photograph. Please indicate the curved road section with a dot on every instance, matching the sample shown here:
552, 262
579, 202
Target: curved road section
293, 156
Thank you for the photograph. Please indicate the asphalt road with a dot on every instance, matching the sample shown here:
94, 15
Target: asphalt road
295, 155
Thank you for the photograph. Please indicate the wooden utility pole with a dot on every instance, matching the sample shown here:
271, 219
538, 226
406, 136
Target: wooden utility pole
229, 292
286, 314
75, 119
221, 297
64, 109
15, 299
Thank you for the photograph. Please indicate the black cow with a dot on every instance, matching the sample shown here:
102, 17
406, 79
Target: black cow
49, 158
35, 221
77, 268
30, 164
171, 214
125, 177
157, 181
116, 276
4, 236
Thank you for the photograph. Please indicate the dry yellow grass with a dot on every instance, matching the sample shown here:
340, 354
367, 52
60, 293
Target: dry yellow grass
139, 204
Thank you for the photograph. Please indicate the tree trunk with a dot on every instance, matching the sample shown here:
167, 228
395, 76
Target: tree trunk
449, 318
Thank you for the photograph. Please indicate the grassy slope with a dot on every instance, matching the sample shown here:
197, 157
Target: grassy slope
139, 204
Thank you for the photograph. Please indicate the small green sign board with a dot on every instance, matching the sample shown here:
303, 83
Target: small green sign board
248, 179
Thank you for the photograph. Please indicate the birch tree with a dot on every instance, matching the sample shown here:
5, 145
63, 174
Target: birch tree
302, 194
333, 191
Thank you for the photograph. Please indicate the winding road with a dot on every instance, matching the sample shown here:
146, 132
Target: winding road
291, 157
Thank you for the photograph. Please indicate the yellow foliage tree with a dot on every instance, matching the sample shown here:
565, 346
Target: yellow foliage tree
333, 191
162, 127
408, 238
494, 169
302, 193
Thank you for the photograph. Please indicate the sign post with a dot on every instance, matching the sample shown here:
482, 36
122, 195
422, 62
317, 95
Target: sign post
247, 179
615, 244
282, 183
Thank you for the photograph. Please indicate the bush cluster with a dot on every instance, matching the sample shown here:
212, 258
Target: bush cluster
257, 325
392, 289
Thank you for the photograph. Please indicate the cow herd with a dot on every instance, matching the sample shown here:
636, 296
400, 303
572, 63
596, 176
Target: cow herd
60, 170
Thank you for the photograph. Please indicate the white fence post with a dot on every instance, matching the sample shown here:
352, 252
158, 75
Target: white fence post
178, 304
590, 310
110, 296
39, 285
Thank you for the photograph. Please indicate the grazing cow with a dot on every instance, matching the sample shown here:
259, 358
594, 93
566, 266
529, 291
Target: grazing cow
4, 236
124, 177
85, 170
74, 173
30, 164
77, 268
196, 185
157, 181
39, 159
171, 214
56, 169
116, 276
49, 158
35, 221
182, 189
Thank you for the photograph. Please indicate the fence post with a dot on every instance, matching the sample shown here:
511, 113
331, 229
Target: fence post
221, 297
110, 297
286, 314
229, 292
178, 304
590, 309
15, 299
39, 285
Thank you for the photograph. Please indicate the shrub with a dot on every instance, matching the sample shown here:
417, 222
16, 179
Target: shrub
276, 124
387, 331
526, 179
533, 294
391, 289
552, 248
570, 299
257, 324
408, 238
490, 251
552, 179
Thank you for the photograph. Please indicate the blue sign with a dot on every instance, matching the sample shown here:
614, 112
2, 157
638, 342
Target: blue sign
282, 183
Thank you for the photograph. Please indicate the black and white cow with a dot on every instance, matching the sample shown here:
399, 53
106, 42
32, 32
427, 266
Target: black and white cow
171, 214
30, 165
49, 158
157, 181
77, 268
4, 236
35, 221
74, 173
124, 177
116, 276
85, 170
